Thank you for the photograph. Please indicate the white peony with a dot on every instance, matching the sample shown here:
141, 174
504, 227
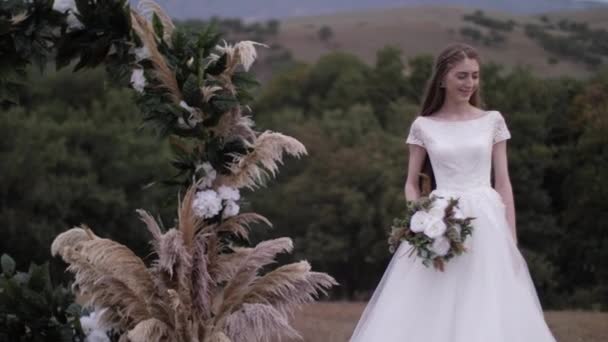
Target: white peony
210, 174
138, 80
142, 53
64, 5
441, 246
88, 324
436, 229
439, 206
231, 209
206, 204
420, 221
97, 336
228, 193
93, 329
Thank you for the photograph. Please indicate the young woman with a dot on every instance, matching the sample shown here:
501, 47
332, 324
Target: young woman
485, 294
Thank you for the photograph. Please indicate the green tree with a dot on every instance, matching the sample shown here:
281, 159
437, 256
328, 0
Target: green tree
420, 69
584, 190
387, 82
339, 204
67, 165
325, 33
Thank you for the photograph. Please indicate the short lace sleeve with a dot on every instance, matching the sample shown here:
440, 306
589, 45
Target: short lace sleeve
501, 131
415, 135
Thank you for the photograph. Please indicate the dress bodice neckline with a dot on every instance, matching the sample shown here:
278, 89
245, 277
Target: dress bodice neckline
458, 121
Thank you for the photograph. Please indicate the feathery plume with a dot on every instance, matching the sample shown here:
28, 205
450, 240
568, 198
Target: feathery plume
267, 150
162, 72
258, 322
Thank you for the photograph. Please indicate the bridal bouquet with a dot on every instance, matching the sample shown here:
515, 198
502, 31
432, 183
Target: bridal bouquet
434, 227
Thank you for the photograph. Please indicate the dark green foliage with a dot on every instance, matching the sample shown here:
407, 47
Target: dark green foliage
106, 24
471, 33
32, 309
576, 41
23, 42
493, 38
75, 155
387, 82
478, 17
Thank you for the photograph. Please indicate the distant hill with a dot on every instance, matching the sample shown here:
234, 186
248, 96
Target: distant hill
427, 29
264, 9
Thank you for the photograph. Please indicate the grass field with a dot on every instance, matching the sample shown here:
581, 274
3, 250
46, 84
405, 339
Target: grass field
335, 321
426, 29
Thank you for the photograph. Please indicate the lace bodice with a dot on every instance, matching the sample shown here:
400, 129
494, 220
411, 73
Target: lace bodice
460, 151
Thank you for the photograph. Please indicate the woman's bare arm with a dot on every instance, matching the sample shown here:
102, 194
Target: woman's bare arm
417, 154
502, 183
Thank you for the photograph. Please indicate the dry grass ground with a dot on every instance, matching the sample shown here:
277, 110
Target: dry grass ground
426, 29
335, 321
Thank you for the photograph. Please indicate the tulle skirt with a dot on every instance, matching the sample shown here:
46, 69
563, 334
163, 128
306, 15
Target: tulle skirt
484, 295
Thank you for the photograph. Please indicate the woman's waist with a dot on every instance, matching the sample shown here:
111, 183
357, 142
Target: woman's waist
464, 190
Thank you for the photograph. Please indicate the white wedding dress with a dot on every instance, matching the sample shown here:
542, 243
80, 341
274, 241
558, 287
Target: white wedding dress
485, 294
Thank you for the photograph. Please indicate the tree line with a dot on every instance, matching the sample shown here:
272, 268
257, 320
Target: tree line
75, 153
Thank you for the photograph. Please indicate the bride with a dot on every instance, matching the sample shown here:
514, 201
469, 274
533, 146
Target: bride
485, 294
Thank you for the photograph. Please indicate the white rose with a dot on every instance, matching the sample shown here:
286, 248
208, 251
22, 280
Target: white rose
231, 209
441, 246
436, 229
439, 206
420, 221
206, 204
228, 193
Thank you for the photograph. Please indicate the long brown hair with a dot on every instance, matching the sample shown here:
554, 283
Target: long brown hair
434, 95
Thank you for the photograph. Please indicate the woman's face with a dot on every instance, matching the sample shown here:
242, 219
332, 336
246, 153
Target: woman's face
462, 80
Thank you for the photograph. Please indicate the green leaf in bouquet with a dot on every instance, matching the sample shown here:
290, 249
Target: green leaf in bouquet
453, 234
423, 253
